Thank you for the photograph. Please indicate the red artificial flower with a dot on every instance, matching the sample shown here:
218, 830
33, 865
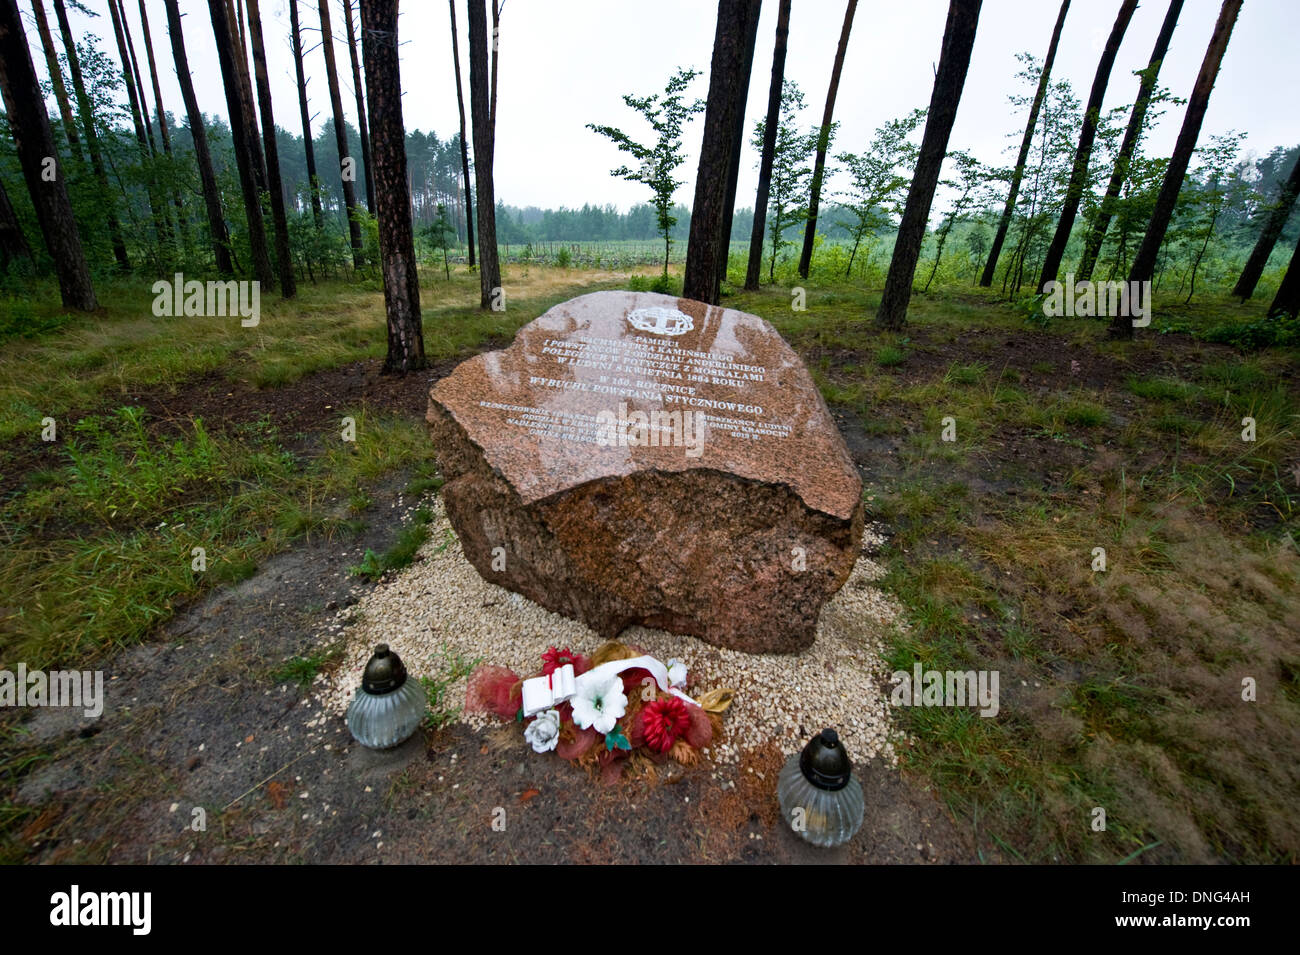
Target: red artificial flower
635, 680
663, 722
553, 659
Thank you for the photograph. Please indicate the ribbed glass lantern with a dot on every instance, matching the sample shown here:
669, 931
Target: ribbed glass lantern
387, 708
820, 798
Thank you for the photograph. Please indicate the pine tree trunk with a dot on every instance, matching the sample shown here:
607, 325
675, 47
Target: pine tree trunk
704, 245
133, 66
156, 200
995, 250
949, 79
1144, 263
13, 244
1273, 226
464, 146
1101, 222
396, 242
224, 33
1287, 300
757, 234
254, 132
737, 145
92, 137
496, 46
313, 181
823, 143
34, 143
163, 134
56, 78
142, 135
166, 237
199, 134
489, 272
1082, 155
340, 134
288, 284
363, 127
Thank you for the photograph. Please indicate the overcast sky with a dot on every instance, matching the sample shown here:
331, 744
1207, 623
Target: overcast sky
565, 63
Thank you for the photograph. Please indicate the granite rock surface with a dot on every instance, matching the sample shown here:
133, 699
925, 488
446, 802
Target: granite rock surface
641, 458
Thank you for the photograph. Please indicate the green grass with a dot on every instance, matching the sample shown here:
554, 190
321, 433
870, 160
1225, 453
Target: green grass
409, 540
1114, 709
1109, 679
99, 543
1084, 414
663, 284
55, 365
971, 374
888, 356
1112, 682
429, 482
1162, 389
19, 320
452, 666
303, 670
1241, 375
1176, 424
1064, 413
96, 560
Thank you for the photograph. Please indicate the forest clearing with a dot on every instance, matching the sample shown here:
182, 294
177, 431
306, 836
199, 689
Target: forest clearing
1075, 442
677, 467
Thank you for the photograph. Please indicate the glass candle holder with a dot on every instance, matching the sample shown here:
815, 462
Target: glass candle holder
820, 798
387, 708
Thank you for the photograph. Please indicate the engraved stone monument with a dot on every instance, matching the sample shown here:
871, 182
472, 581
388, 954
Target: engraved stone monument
640, 458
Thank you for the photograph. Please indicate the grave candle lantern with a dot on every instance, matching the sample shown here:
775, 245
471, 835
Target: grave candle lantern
820, 798
387, 707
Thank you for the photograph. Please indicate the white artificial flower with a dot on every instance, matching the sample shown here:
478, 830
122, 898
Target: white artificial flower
676, 672
544, 731
598, 705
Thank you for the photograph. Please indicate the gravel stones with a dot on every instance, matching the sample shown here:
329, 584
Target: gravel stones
440, 605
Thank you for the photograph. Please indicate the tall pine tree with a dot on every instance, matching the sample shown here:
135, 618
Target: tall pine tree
726, 81
1083, 152
1022, 158
30, 127
199, 136
388, 150
754, 267
949, 80
824, 133
480, 117
1144, 263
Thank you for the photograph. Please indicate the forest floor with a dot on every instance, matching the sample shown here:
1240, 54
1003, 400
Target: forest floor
1120, 689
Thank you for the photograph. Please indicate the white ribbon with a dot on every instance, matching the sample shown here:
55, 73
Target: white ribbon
543, 692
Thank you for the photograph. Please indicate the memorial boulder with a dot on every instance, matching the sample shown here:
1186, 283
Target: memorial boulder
640, 458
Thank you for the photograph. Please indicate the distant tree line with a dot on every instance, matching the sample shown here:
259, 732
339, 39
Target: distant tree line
112, 182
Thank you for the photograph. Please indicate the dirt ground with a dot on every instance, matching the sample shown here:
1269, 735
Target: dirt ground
197, 730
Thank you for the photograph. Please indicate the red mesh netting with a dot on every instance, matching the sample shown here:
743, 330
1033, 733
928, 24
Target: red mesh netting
494, 689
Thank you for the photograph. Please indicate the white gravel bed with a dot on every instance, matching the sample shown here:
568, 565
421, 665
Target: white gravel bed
440, 603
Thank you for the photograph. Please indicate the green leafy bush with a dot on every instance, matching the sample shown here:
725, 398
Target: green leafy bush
19, 320
664, 284
1263, 333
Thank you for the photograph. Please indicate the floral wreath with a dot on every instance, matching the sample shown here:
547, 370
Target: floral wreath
639, 712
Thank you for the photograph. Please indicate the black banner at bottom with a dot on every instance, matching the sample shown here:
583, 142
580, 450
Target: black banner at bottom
385, 903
